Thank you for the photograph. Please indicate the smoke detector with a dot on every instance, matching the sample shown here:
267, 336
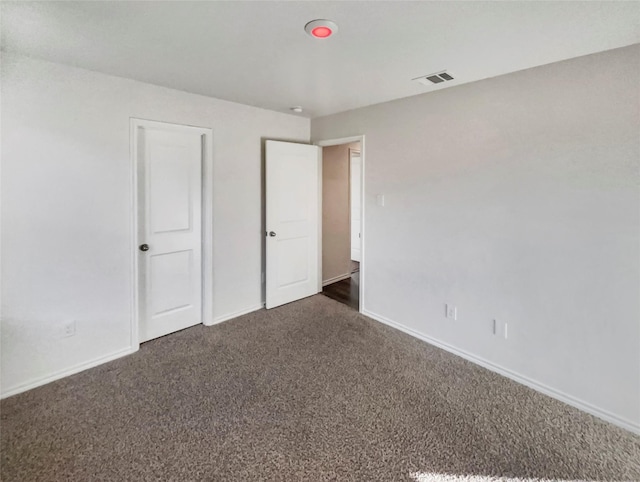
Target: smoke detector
321, 28
437, 78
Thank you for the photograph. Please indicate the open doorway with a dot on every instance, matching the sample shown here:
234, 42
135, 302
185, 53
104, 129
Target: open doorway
341, 222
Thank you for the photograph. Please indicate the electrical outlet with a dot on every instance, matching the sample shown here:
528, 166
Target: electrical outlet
451, 312
69, 329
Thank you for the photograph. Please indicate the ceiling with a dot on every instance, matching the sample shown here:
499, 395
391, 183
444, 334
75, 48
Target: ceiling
257, 53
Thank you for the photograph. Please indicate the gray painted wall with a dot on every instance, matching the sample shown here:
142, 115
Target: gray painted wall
517, 199
67, 213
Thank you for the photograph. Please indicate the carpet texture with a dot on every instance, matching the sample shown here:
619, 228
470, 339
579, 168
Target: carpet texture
308, 391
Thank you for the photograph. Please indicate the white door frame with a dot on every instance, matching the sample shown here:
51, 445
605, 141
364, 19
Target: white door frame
337, 142
207, 222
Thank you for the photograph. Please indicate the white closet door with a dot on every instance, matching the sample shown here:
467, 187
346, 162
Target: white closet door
169, 160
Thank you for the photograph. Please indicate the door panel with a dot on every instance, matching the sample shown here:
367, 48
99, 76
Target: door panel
292, 261
172, 275
292, 216
170, 196
169, 161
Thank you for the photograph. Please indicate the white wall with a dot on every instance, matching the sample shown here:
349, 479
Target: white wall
66, 209
515, 198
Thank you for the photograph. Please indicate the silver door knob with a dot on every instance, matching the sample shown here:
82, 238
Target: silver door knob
144, 247
272, 234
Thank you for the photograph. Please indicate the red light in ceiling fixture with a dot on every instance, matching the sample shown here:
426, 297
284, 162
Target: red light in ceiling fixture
321, 32
321, 28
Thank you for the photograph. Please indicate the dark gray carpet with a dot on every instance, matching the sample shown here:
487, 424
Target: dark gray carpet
309, 391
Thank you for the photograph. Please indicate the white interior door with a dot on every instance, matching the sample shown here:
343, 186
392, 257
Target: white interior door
169, 161
356, 208
292, 208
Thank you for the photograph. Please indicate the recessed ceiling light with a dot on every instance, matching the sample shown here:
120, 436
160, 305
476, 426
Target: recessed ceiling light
297, 109
321, 28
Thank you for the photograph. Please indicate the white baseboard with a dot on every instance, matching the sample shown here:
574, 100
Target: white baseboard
231, 316
66, 372
99, 361
540, 387
335, 279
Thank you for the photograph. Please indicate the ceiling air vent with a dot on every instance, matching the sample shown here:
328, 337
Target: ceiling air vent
436, 78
